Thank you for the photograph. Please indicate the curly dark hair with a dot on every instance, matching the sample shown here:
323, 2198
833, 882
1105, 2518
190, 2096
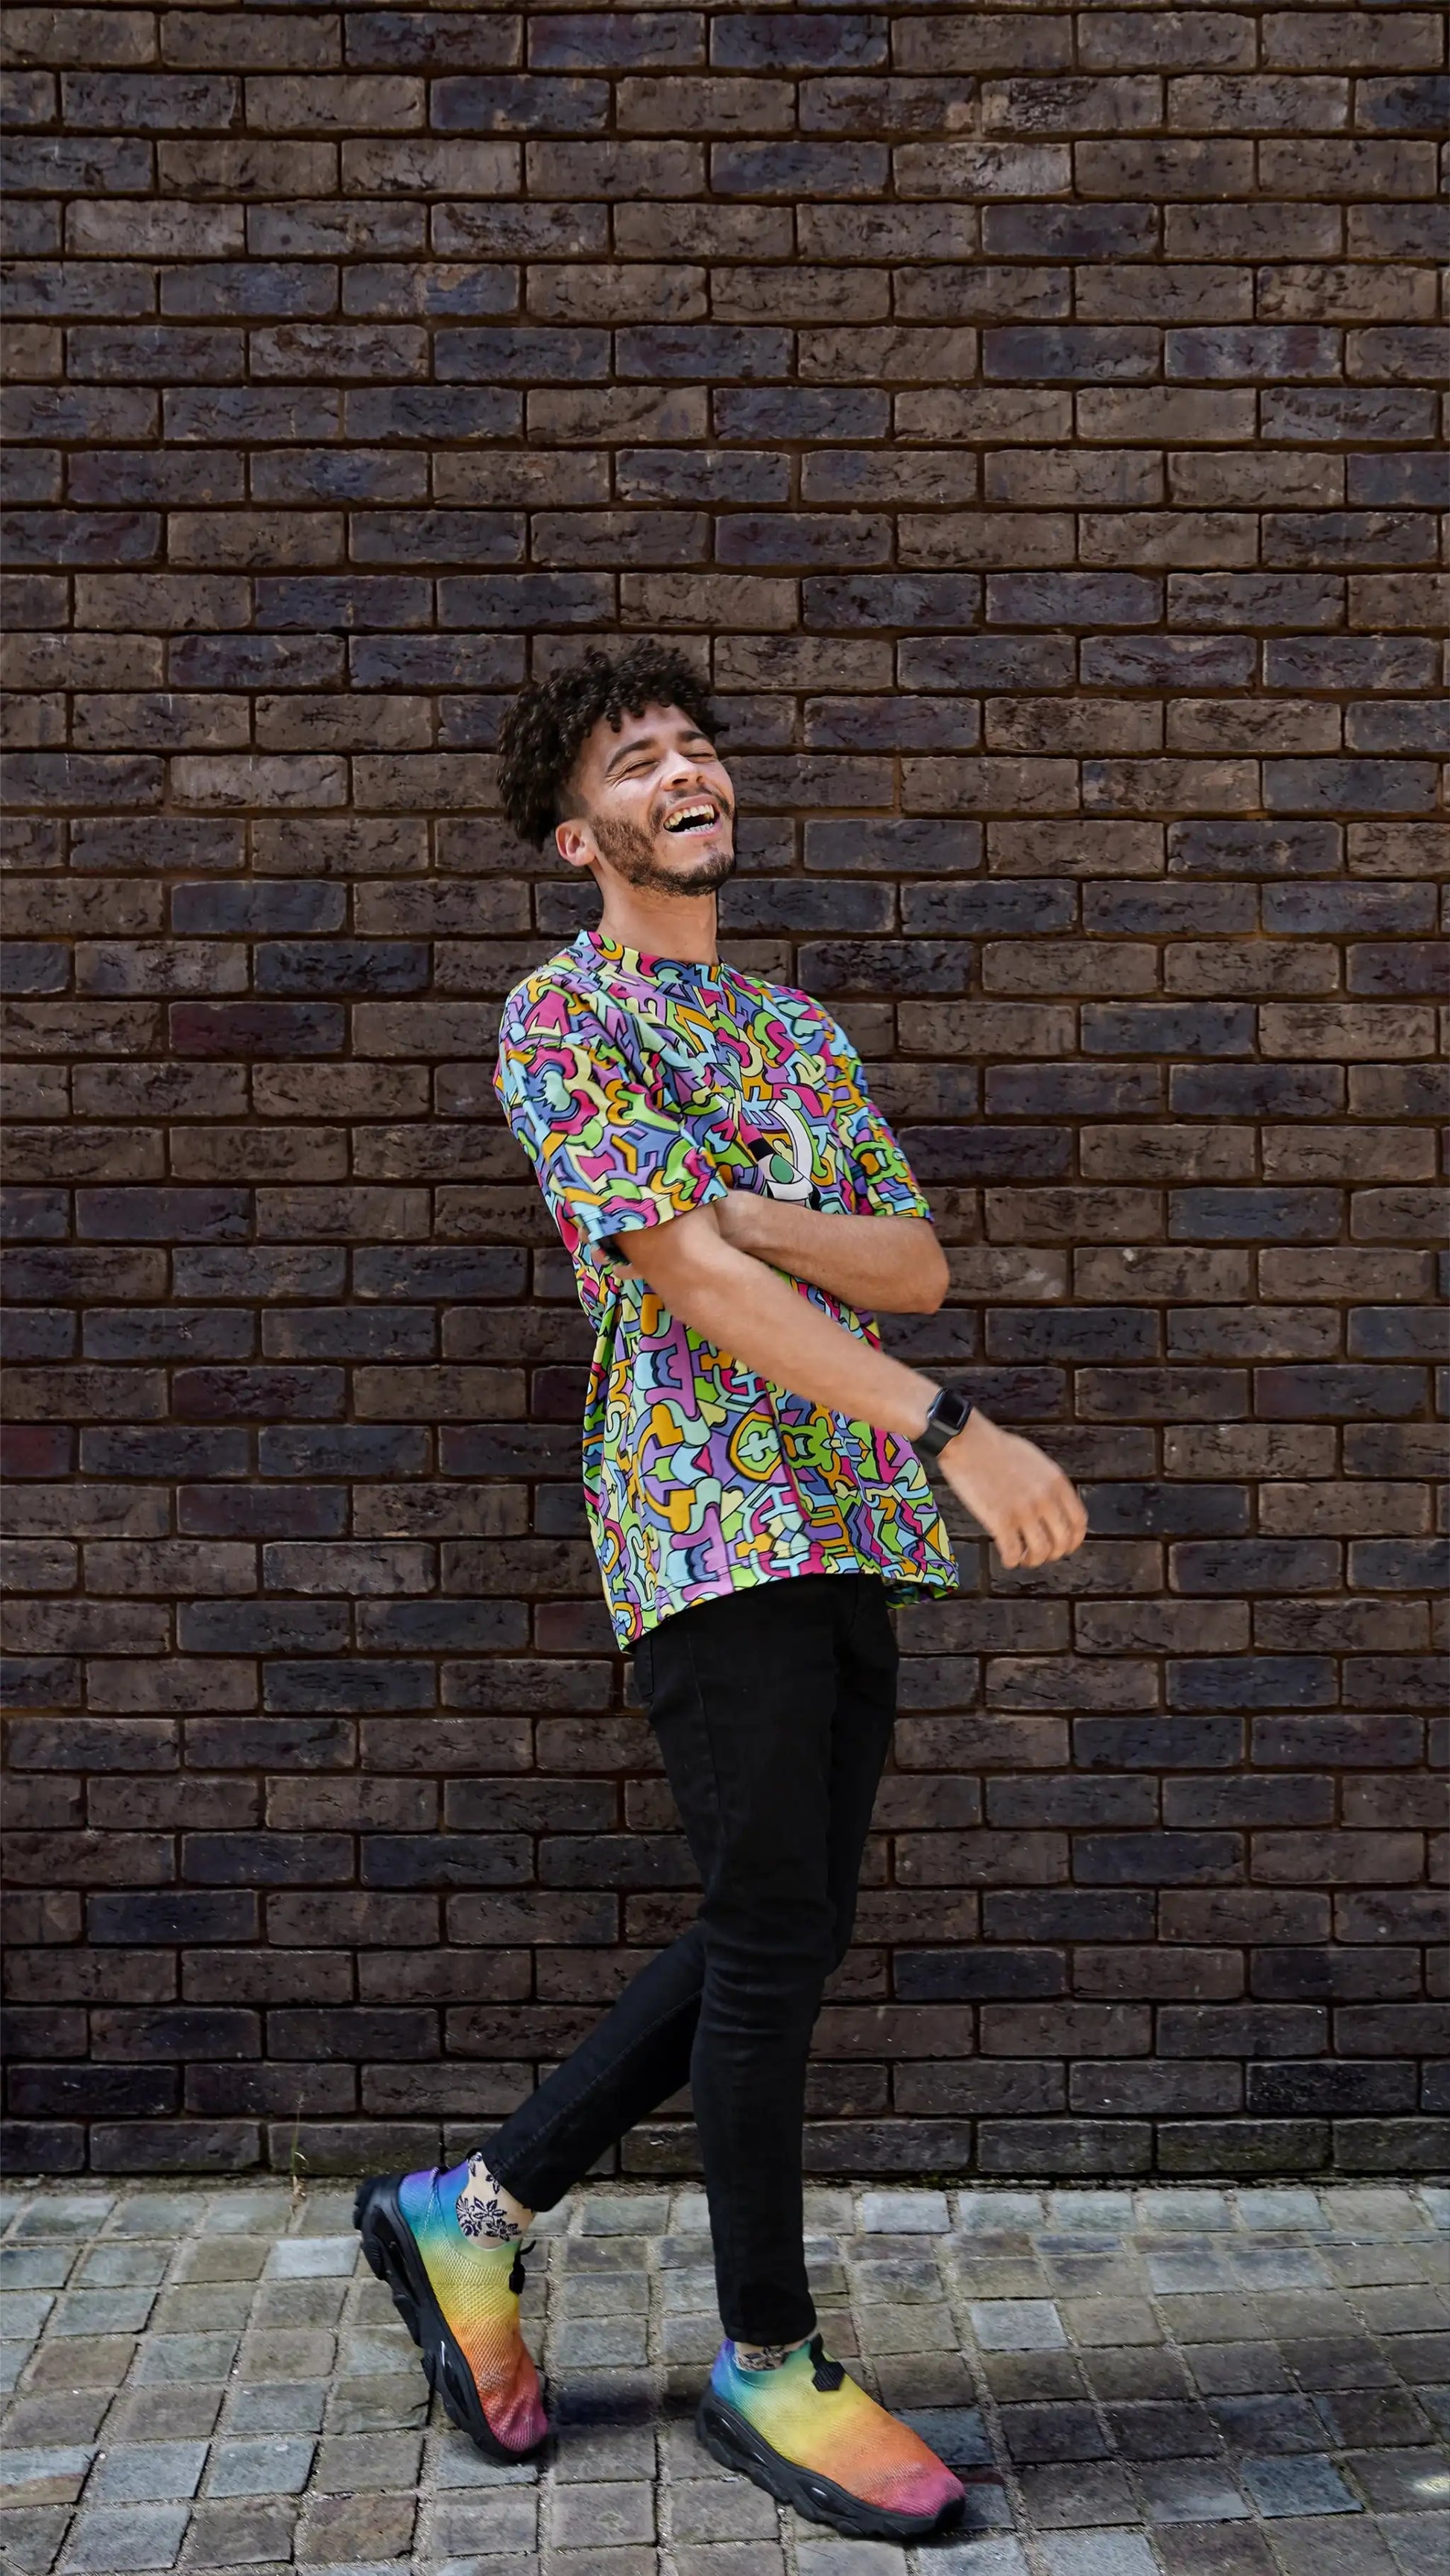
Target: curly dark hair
549, 722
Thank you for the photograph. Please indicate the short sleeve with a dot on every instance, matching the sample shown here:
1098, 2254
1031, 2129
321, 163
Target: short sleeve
609, 1159
883, 1173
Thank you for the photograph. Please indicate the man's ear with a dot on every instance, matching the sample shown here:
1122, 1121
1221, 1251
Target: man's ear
575, 843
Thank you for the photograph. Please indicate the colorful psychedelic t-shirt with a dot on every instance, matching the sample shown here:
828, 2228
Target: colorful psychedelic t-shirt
642, 1087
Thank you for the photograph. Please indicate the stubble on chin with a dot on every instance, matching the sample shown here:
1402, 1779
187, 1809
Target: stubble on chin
629, 852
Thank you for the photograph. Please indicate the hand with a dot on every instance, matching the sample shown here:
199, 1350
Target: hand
1023, 1501
736, 1217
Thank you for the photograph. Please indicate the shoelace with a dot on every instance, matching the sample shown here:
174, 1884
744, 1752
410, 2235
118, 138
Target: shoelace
517, 2274
826, 2374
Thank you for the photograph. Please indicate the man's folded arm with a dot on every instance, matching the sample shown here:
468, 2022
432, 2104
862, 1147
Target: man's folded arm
743, 1306
887, 1265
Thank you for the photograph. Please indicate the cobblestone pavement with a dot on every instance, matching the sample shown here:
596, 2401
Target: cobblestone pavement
1198, 2382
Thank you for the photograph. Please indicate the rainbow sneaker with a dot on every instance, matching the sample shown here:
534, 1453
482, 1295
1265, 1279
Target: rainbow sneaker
809, 2435
459, 2299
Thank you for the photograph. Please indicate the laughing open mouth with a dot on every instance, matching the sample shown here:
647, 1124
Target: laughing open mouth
701, 815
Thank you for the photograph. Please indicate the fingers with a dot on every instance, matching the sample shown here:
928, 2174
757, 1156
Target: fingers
1051, 1525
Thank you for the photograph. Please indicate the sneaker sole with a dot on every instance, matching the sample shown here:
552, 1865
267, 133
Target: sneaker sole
736, 2445
392, 2253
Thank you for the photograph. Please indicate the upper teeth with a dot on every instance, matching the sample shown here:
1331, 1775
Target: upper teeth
688, 814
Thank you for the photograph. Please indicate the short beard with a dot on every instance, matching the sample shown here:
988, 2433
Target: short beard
629, 853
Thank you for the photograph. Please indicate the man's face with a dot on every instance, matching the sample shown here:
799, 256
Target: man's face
653, 805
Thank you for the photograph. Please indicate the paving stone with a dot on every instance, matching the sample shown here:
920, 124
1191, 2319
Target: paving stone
34, 2267
1096, 2213
1213, 2549
240, 2211
1202, 2213
1402, 2481
336, 2530
221, 2306
278, 2466
904, 2213
1370, 2210
1322, 2362
1419, 2543
816, 2556
1137, 2371
298, 2258
33, 2534
1286, 2207
306, 2352
1016, 2325
53, 2475
164, 2215
1189, 2491
1332, 2549
1111, 2321
1068, 2432
506, 2519
1235, 2368
278, 2406
121, 2266
1071, 2495
65, 2214
243, 2533
1302, 2485
117, 2540
608, 2451
97, 2361
61, 2416
728, 2558
623, 2214
1268, 2424
735, 2510
101, 2312
1162, 2429
187, 2357
993, 2213
144, 2472
958, 2434
1098, 2553
1371, 2417
326, 2213
611, 2513
222, 2258
1027, 2378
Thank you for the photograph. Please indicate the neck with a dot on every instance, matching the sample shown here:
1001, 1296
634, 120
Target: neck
681, 926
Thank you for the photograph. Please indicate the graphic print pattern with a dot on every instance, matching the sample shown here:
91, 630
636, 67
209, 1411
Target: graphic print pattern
642, 1088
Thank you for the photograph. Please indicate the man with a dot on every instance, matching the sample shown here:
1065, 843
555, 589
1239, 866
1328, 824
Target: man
736, 1211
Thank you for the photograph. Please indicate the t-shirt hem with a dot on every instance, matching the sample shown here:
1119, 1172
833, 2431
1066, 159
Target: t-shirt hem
900, 1581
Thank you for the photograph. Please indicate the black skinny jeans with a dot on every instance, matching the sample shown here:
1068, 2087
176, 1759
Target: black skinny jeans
773, 1710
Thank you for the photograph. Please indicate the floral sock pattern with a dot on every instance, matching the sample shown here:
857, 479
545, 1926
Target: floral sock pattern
477, 2289
813, 2415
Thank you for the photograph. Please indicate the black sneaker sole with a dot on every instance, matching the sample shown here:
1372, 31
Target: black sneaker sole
736, 2445
392, 2253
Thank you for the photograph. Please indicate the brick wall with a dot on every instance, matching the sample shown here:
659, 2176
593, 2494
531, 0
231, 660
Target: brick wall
1030, 415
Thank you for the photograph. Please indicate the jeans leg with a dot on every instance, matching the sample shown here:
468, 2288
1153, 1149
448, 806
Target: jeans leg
634, 2059
743, 1706
867, 1662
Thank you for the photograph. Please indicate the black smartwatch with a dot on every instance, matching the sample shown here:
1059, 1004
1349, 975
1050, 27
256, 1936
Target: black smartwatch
950, 1412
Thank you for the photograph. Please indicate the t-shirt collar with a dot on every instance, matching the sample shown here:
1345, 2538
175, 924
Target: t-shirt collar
670, 974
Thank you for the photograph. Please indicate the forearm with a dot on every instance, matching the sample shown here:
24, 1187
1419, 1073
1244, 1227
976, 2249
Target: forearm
884, 1264
744, 1308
